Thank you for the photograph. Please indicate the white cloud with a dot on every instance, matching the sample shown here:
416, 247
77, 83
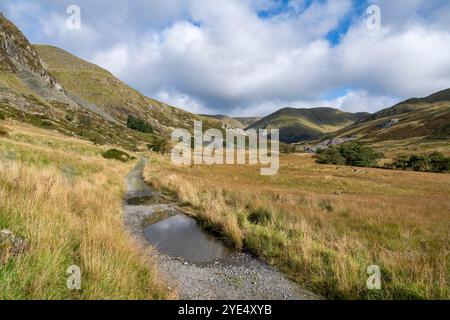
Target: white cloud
114, 60
179, 99
221, 57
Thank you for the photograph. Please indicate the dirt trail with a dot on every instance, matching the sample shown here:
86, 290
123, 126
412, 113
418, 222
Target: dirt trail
247, 278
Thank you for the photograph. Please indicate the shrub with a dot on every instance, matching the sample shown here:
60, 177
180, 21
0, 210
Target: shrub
285, 148
115, 154
358, 155
439, 163
2, 116
351, 154
69, 117
330, 156
419, 163
46, 124
85, 121
433, 162
139, 125
159, 145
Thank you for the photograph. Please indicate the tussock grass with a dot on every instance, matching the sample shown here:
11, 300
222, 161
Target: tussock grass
60, 195
325, 225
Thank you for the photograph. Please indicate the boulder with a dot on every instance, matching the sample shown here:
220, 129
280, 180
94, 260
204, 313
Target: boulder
389, 124
11, 245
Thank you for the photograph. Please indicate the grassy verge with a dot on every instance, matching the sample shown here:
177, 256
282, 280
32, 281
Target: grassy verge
325, 225
60, 195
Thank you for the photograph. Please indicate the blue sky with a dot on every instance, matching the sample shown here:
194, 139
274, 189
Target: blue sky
252, 57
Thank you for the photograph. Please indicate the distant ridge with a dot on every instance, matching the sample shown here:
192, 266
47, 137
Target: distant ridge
426, 118
298, 125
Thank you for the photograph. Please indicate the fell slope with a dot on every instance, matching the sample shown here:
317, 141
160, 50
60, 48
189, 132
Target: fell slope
52, 89
298, 125
247, 121
99, 87
227, 121
425, 118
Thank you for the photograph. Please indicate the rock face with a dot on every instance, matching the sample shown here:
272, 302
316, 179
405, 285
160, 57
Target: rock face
10, 245
389, 124
18, 56
327, 144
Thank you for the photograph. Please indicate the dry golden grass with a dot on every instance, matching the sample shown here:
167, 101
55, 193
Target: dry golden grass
66, 200
327, 224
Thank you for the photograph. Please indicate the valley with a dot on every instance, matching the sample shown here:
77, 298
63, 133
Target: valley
74, 192
325, 225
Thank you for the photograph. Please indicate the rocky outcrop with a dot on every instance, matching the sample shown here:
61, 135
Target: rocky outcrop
389, 124
17, 55
327, 144
10, 245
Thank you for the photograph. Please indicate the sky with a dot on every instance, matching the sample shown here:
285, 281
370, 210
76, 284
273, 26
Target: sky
253, 57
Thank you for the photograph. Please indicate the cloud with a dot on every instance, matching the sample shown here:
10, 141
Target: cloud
179, 99
252, 57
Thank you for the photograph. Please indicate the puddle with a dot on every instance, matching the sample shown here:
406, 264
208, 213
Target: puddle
180, 236
143, 201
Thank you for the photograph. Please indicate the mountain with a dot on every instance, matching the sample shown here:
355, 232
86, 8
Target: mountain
233, 122
247, 121
226, 121
51, 88
298, 125
100, 88
426, 118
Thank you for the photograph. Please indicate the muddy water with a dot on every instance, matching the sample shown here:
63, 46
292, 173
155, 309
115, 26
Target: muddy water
143, 201
180, 236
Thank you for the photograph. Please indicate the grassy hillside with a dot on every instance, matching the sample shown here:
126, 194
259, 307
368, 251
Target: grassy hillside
64, 200
227, 121
325, 225
100, 87
302, 124
426, 119
52, 89
247, 121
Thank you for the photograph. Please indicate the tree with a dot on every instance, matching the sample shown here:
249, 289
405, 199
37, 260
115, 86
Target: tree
351, 154
330, 156
419, 163
159, 145
139, 125
401, 162
438, 162
434, 162
358, 155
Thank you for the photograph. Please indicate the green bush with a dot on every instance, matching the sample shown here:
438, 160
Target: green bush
351, 154
285, 148
433, 162
359, 155
330, 156
115, 154
69, 117
85, 121
159, 145
139, 125
439, 163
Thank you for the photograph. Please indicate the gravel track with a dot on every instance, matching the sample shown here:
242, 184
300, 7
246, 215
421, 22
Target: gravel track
245, 278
